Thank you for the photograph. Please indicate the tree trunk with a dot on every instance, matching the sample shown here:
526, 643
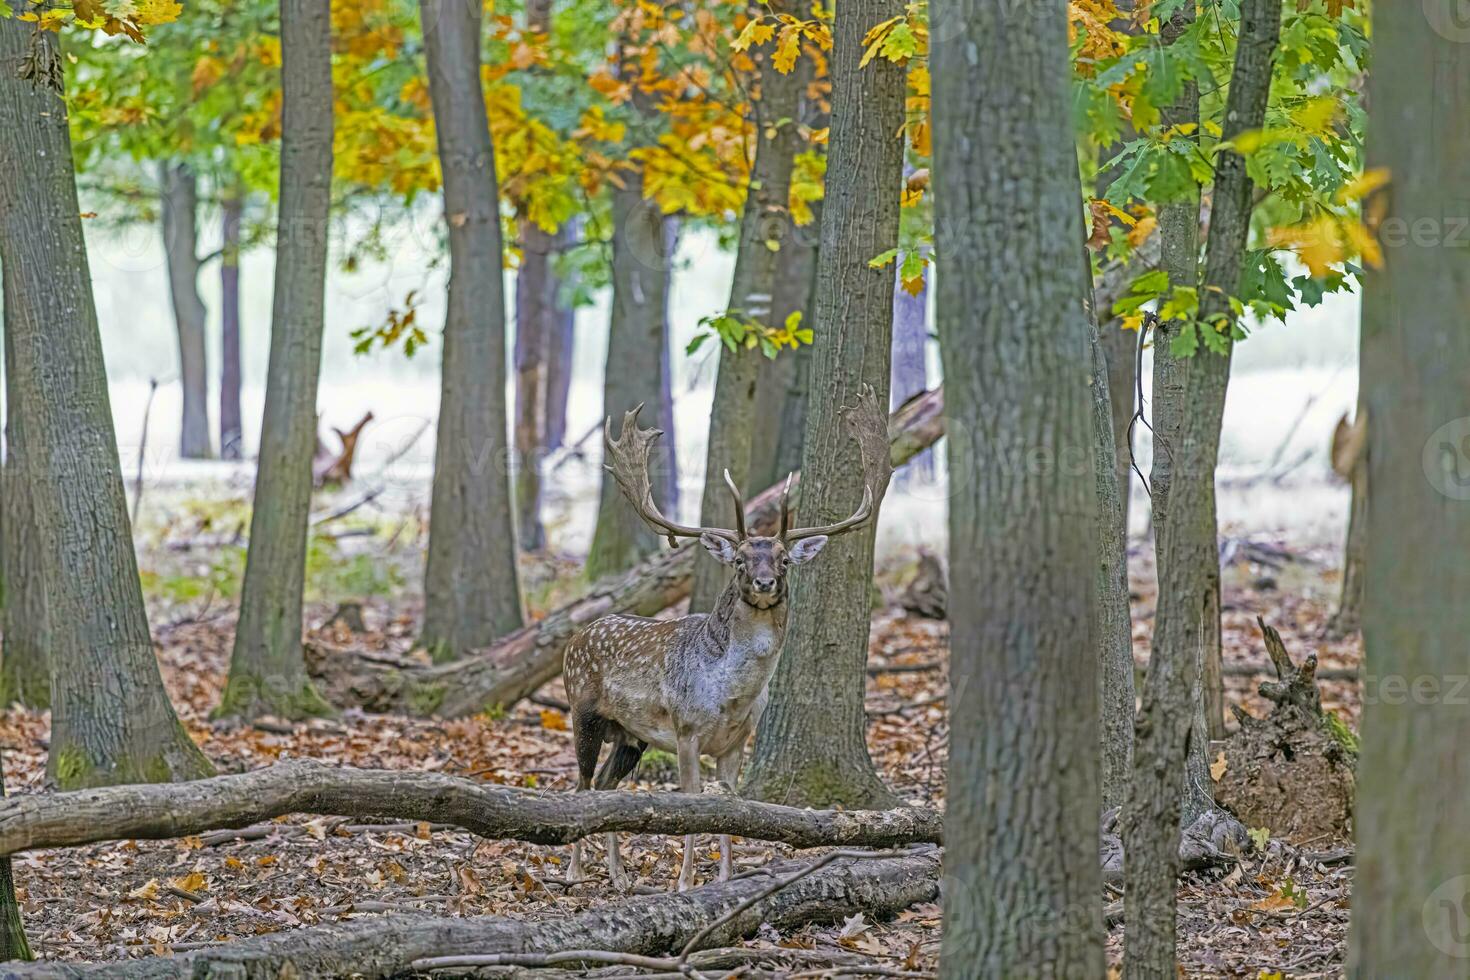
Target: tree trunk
111, 721
535, 321
560, 351
1022, 538
637, 370
1113, 620
1411, 916
231, 428
24, 673
1171, 777
910, 373
267, 674
1348, 617
782, 388
765, 237
181, 249
13, 945
389, 945
472, 585
516, 665
811, 746
1120, 352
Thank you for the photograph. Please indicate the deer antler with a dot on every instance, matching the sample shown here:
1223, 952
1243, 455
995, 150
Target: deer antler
627, 460
868, 426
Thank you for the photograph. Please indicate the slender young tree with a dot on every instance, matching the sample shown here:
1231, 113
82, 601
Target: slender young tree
1169, 781
180, 214
1026, 895
471, 584
111, 721
1112, 618
231, 428
1411, 893
637, 365
267, 672
24, 673
13, 945
1349, 443
811, 747
560, 350
535, 323
765, 228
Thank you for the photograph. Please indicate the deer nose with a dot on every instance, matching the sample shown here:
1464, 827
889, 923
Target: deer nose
764, 584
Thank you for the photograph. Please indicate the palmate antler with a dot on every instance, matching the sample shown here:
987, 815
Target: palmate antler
868, 426
626, 458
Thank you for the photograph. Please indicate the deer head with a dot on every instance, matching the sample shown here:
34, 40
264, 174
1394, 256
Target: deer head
760, 561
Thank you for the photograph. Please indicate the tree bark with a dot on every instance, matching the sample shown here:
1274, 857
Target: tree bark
1171, 778
811, 746
1348, 617
181, 249
25, 675
1024, 785
782, 387
164, 812
765, 237
267, 673
560, 351
515, 666
472, 584
1410, 913
387, 945
231, 427
111, 721
13, 945
535, 321
910, 374
1113, 620
636, 370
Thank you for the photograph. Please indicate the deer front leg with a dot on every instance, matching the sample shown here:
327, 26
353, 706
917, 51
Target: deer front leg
688, 746
727, 771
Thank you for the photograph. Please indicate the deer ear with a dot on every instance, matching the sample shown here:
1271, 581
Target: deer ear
722, 550
807, 548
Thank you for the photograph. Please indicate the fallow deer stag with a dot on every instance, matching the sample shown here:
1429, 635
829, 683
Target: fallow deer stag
697, 685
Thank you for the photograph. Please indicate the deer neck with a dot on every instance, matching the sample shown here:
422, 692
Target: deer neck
738, 631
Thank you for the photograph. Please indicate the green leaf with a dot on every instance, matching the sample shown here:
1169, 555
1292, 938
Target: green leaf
696, 343
883, 258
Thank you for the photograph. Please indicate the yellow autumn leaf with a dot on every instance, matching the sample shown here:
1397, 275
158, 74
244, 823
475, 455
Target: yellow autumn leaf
788, 49
756, 32
146, 891
1317, 243
873, 40
194, 882
1363, 242
1315, 115
553, 720
1364, 184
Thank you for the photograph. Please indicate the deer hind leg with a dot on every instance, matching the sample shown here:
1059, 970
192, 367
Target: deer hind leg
621, 761
688, 746
587, 731
727, 771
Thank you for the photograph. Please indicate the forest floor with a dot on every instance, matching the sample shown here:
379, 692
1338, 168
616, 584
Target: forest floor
1270, 914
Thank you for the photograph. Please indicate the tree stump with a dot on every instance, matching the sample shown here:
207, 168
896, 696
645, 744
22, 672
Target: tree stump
1292, 771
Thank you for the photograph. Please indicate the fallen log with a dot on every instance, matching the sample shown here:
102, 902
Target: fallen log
516, 665
169, 810
387, 945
